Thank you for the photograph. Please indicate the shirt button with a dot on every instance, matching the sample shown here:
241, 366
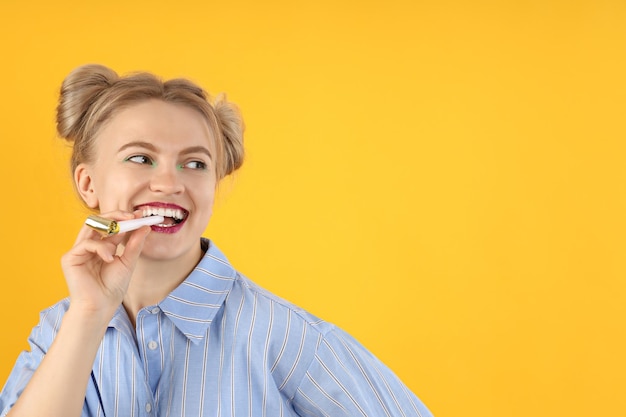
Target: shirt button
155, 310
152, 345
148, 407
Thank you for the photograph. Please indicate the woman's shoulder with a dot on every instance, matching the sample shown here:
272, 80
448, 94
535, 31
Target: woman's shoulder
249, 301
49, 323
266, 303
53, 314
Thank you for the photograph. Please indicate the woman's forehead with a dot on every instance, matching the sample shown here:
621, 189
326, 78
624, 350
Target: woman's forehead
163, 124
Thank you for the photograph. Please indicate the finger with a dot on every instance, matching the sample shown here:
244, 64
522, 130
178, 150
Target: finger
85, 250
134, 245
117, 215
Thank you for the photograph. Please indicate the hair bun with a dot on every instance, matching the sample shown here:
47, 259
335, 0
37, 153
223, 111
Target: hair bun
232, 128
80, 89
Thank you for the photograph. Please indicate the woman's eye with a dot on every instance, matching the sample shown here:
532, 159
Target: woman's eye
140, 159
194, 165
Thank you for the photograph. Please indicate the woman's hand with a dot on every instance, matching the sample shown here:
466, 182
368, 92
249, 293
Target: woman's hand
97, 274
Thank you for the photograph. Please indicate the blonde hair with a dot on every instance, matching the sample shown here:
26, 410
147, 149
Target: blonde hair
92, 94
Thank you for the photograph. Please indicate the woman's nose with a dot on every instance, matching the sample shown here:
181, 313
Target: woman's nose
166, 180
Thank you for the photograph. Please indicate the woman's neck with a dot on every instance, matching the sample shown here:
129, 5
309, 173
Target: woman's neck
153, 280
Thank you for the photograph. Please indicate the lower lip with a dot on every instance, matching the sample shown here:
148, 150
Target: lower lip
169, 229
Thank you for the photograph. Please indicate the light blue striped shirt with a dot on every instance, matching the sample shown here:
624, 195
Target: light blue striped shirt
219, 345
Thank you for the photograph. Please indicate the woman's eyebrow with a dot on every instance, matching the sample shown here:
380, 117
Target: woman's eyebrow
197, 149
149, 146
138, 144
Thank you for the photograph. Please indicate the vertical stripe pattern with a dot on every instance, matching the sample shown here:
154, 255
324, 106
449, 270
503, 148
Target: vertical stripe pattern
220, 346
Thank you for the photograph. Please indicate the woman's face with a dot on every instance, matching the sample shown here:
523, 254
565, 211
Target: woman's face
157, 157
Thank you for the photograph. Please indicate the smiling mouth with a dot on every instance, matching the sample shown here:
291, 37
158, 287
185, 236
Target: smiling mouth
172, 216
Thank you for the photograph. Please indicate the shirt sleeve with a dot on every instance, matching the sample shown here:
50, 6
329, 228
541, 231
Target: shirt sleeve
27, 362
344, 379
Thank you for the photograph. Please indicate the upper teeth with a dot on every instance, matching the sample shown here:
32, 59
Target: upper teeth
165, 212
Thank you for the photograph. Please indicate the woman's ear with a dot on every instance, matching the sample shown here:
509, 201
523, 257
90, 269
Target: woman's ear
85, 186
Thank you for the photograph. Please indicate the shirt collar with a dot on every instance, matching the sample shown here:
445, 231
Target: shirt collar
192, 306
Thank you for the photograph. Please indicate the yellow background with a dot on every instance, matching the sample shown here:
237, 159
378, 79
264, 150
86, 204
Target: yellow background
443, 179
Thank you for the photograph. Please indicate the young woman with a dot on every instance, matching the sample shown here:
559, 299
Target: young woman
158, 323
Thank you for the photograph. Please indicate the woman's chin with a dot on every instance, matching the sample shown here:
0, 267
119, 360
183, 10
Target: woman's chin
157, 249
